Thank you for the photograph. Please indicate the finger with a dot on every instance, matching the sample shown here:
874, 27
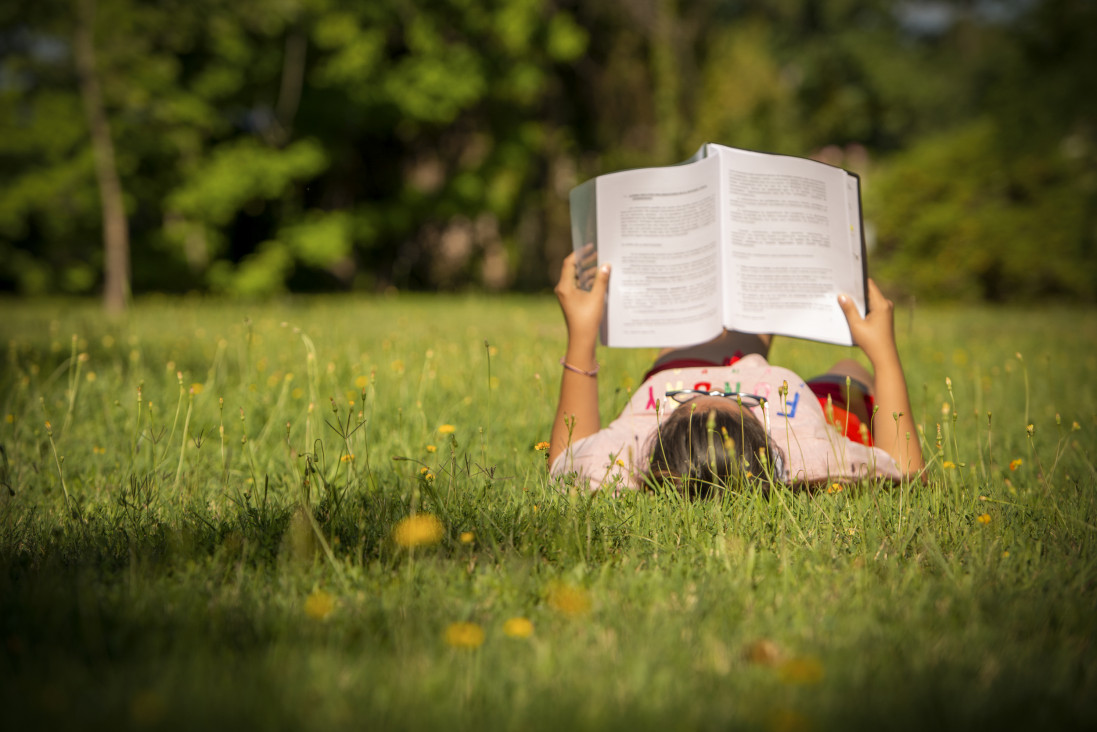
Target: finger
876, 299
585, 278
601, 281
849, 308
588, 256
567, 269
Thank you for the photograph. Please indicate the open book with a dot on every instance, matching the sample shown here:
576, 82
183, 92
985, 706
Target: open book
730, 239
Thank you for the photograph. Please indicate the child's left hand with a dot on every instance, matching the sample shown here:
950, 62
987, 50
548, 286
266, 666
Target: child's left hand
582, 309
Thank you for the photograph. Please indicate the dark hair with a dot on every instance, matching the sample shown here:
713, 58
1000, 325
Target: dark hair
702, 452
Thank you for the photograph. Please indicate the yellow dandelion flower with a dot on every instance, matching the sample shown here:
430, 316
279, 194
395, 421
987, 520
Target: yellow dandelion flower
99, 450
319, 605
347, 458
948, 465
1031, 430
464, 635
419, 530
619, 462
361, 382
568, 599
518, 628
432, 448
467, 537
447, 429
1005, 554
834, 488
802, 670
984, 519
297, 393
1014, 464
540, 446
763, 653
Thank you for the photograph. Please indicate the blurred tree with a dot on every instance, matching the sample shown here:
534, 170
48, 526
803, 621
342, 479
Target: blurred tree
956, 219
48, 199
167, 109
459, 124
1003, 206
116, 262
268, 143
309, 144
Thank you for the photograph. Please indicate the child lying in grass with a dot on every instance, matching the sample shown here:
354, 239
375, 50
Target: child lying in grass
715, 415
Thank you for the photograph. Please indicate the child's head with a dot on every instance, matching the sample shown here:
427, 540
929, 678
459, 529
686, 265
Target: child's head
710, 444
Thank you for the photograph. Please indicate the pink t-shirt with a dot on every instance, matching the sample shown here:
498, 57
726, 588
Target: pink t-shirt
813, 450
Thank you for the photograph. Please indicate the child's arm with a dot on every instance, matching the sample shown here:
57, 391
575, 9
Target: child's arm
875, 334
577, 411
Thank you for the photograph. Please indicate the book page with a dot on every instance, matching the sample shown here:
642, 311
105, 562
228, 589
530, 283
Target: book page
659, 229
583, 204
789, 235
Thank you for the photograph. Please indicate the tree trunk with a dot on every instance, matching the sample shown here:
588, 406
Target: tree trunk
116, 262
293, 78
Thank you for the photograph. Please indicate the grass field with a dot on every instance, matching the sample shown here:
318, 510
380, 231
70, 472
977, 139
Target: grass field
203, 523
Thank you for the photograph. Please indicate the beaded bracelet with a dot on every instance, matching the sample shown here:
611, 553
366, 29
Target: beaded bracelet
578, 370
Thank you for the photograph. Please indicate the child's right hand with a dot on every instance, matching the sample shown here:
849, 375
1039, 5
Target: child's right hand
894, 430
875, 333
583, 309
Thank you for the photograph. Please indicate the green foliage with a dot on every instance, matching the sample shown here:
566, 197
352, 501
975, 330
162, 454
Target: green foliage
447, 133
745, 98
185, 539
237, 174
566, 40
259, 274
958, 219
320, 240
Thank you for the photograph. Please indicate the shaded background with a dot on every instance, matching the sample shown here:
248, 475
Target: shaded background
264, 146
